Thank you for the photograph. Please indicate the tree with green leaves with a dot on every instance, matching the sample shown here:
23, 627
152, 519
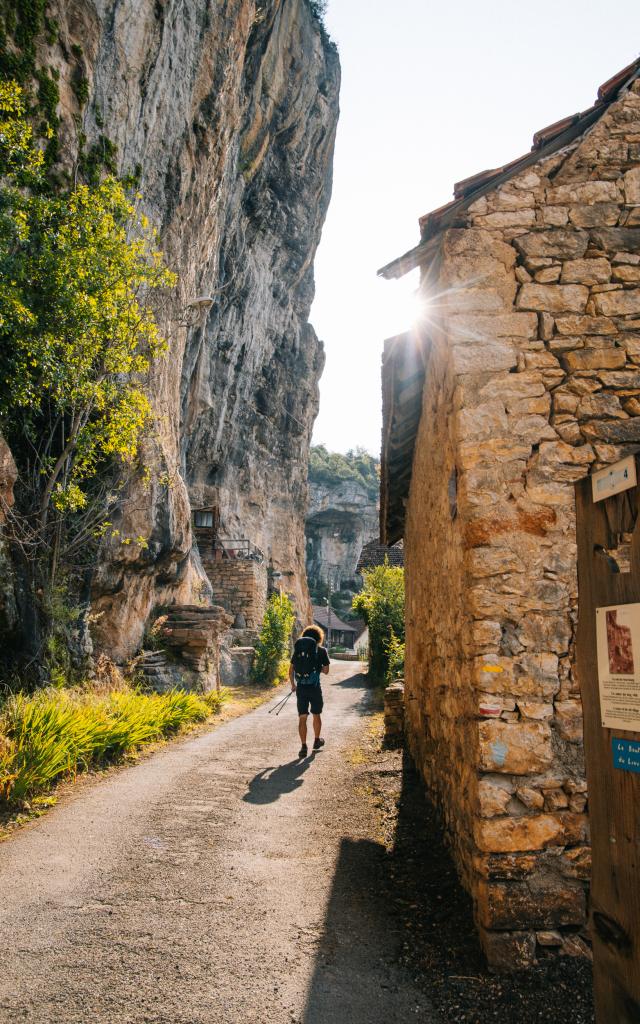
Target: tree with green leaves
271, 662
381, 604
77, 338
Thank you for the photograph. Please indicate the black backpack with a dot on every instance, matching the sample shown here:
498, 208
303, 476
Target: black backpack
305, 658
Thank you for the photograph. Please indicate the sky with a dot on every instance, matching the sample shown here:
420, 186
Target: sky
433, 91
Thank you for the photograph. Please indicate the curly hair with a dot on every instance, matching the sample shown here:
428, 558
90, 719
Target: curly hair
315, 632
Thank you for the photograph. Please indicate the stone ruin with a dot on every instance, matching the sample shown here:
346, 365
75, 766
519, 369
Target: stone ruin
523, 378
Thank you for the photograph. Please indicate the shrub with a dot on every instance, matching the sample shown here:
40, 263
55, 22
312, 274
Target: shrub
271, 664
395, 654
381, 604
55, 733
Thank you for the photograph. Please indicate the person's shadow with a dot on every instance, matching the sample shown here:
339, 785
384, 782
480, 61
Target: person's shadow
272, 783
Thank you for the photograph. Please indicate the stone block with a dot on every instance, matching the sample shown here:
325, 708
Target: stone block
576, 863
548, 904
627, 380
616, 239
559, 298
613, 431
478, 328
530, 798
632, 186
493, 561
507, 219
588, 192
617, 303
598, 215
568, 718
585, 325
518, 748
539, 712
493, 797
586, 271
483, 358
483, 421
627, 274
531, 832
508, 951
599, 405
559, 243
505, 866
548, 275
594, 359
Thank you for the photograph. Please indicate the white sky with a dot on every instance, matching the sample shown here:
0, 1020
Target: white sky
433, 91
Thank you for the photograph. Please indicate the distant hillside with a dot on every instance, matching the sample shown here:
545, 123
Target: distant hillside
332, 468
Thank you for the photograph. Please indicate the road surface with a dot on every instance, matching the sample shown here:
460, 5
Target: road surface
219, 881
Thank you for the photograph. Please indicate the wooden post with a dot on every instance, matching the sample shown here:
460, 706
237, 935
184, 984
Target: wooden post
614, 793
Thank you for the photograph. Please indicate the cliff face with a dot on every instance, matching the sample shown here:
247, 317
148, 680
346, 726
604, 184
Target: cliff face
341, 518
227, 111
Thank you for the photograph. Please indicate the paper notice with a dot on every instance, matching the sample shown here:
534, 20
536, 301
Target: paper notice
618, 646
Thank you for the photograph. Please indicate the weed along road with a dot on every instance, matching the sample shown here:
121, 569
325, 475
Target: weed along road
219, 881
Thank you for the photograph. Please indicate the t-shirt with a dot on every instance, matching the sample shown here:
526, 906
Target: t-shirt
323, 657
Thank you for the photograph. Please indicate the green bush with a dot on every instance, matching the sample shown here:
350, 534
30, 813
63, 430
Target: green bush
381, 604
395, 654
271, 660
54, 733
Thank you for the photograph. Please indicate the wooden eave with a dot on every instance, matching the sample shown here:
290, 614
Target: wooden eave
403, 374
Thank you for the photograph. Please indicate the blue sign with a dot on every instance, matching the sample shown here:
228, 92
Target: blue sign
626, 754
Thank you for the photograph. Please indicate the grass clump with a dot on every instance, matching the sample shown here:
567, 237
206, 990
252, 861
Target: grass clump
54, 733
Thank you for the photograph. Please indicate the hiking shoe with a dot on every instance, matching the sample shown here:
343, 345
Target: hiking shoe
303, 750
317, 744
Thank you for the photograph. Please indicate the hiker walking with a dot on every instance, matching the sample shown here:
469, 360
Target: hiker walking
308, 661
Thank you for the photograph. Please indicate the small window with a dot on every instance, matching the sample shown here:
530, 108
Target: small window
203, 518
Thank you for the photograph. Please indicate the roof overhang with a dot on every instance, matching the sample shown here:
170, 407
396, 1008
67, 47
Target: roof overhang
545, 142
404, 364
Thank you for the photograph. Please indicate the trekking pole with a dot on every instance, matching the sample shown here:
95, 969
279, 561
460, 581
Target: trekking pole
282, 703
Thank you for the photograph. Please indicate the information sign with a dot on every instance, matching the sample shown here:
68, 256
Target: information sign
626, 754
618, 647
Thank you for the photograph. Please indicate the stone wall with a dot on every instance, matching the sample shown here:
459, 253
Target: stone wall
534, 380
239, 586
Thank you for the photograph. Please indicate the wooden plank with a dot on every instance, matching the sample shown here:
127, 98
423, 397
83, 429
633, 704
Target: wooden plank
614, 794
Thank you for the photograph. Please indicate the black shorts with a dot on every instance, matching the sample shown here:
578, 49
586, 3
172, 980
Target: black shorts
309, 695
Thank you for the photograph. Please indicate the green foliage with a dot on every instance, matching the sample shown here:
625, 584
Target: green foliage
381, 604
332, 468
77, 337
395, 654
57, 733
318, 8
21, 24
272, 650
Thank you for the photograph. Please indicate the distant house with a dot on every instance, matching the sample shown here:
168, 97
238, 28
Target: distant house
374, 554
342, 634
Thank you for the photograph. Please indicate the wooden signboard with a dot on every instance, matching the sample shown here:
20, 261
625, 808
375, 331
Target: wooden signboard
608, 648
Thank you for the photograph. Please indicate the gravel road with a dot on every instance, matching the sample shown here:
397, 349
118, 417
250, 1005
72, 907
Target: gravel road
219, 881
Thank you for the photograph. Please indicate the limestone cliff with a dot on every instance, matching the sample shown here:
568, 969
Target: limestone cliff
226, 112
342, 517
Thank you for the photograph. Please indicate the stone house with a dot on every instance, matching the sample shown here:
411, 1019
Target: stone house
522, 378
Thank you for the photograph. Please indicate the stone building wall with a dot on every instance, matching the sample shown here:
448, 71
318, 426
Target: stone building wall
535, 335
240, 587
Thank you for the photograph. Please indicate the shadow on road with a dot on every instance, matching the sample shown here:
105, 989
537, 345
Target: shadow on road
272, 783
354, 981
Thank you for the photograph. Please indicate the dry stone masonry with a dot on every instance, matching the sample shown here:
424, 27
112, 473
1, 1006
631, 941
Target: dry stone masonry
532, 380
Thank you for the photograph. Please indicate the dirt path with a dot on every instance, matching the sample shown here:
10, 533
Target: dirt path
218, 881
